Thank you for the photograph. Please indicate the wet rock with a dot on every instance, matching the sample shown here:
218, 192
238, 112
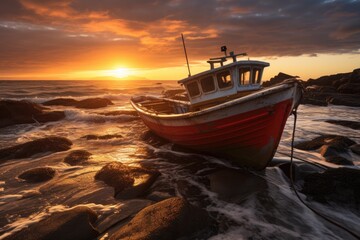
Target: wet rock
121, 112
90, 103
168, 219
300, 170
349, 124
235, 185
42, 145
61, 102
40, 174
77, 157
350, 100
332, 150
20, 112
153, 139
355, 148
340, 185
128, 182
339, 160
76, 223
103, 137
331, 140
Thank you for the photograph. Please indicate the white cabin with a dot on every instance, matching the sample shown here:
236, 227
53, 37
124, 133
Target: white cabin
225, 81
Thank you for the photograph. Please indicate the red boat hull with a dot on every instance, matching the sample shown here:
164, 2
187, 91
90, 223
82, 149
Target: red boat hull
246, 132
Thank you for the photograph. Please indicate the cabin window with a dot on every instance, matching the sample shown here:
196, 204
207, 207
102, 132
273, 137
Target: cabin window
244, 75
256, 75
224, 79
207, 84
193, 89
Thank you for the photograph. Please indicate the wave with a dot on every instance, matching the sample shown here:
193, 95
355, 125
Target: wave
78, 115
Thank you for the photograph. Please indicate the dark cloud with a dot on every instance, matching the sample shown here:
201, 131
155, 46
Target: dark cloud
33, 31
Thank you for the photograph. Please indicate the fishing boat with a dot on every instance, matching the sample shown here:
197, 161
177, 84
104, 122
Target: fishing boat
224, 111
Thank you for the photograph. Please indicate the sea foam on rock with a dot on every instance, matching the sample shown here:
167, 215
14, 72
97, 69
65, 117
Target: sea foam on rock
128, 182
20, 112
90, 103
40, 174
42, 145
76, 223
172, 218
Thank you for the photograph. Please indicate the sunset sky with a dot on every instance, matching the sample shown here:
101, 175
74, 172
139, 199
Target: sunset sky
105, 39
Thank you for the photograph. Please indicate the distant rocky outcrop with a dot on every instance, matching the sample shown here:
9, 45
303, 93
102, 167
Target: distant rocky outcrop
278, 79
337, 89
20, 112
28, 149
123, 178
90, 103
173, 218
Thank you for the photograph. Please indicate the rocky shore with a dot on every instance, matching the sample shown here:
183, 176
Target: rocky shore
337, 89
70, 186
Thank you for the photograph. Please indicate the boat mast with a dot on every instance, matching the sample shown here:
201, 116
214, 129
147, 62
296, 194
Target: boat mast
187, 61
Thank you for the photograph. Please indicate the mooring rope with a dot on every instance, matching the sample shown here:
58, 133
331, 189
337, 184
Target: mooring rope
296, 192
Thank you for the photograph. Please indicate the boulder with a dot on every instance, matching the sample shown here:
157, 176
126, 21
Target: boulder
77, 157
40, 174
340, 185
121, 112
349, 124
339, 160
76, 223
20, 112
128, 182
103, 137
90, 103
331, 140
42, 145
172, 218
355, 148
235, 185
327, 80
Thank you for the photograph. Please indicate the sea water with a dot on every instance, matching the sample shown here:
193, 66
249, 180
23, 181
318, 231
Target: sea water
269, 210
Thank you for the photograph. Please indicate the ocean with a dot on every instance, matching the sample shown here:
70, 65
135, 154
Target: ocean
263, 207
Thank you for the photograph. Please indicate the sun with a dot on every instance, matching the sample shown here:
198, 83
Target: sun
119, 72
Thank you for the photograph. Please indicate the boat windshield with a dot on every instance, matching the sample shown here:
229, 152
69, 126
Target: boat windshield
244, 74
193, 89
224, 79
207, 84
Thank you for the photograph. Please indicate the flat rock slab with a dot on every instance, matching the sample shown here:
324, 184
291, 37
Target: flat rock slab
355, 148
42, 145
340, 185
102, 137
20, 112
36, 175
76, 223
77, 157
316, 143
169, 219
90, 103
235, 185
349, 124
128, 182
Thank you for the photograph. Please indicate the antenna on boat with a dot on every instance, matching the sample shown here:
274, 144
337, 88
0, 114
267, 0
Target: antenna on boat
187, 61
